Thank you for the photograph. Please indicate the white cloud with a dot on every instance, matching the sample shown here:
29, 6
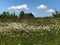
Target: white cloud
24, 6
42, 6
50, 10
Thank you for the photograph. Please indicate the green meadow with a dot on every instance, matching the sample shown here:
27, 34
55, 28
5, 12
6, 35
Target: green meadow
15, 30
31, 32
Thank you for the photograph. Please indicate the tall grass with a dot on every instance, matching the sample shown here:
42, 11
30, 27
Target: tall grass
40, 32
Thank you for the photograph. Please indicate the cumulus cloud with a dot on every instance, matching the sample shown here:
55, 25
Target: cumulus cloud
24, 6
50, 10
42, 6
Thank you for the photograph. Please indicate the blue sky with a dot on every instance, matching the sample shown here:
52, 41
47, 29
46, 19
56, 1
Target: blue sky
37, 7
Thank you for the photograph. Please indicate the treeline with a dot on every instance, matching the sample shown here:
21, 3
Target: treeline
6, 16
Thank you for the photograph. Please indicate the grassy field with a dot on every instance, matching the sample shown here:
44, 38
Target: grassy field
44, 31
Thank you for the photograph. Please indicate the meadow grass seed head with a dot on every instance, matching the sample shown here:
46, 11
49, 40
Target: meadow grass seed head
18, 44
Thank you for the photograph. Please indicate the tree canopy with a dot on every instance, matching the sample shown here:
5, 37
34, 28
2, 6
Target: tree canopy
21, 14
56, 14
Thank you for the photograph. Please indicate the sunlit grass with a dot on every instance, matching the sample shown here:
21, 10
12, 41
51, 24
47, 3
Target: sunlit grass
30, 33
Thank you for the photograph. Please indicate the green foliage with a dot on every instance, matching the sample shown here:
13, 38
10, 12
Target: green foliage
41, 37
48, 34
13, 16
5, 14
56, 14
21, 14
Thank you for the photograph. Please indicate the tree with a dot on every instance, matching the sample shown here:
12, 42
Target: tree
21, 14
13, 16
56, 14
5, 14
